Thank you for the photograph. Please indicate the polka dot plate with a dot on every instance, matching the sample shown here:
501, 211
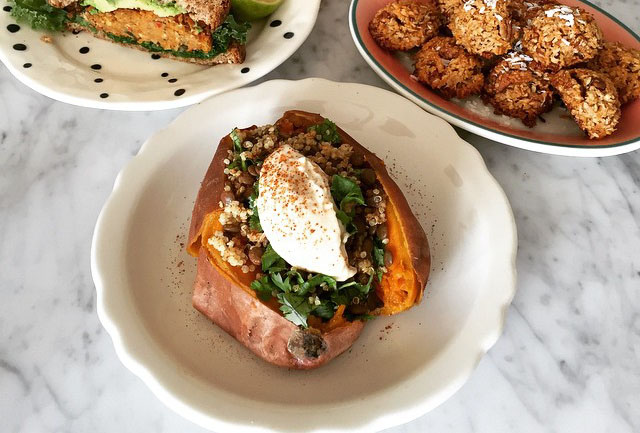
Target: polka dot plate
82, 70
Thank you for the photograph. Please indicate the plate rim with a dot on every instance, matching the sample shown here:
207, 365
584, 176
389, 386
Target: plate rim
484, 131
134, 360
162, 103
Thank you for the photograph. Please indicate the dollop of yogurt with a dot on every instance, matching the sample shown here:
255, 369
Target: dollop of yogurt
298, 215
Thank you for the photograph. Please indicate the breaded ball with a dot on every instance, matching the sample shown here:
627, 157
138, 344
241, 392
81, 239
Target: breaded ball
448, 68
512, 88
483, 27
622, 65
405, 24
591, 98
560, 36
447, 8
523, 11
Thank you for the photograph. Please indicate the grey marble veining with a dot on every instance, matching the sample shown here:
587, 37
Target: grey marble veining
569, 357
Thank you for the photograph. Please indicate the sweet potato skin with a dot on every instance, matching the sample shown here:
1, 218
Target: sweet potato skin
237, 310
263, 331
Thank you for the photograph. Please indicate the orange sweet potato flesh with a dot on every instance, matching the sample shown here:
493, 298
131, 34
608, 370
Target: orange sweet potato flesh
223, 294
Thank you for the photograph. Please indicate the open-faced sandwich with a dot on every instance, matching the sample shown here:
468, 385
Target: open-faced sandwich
302, 236
197, 31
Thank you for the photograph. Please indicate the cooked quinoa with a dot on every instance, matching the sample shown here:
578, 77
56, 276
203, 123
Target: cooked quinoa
622, 65
242, 245
591, 98
405, 24
515, 90
559, 36
483, 27
448, 68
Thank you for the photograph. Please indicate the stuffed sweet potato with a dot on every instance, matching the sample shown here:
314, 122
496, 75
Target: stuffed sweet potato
280, 207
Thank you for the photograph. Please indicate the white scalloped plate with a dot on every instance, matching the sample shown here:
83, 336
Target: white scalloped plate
400, 367
82, 70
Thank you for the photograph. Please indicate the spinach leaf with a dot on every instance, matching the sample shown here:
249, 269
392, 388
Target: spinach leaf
328, 131
296, 308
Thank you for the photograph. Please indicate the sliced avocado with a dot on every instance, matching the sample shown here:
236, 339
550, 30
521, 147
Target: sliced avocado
160, 9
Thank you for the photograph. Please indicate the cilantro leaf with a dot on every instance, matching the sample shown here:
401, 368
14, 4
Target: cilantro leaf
281, 284
315, 281
328, 131
296, 308
347, 292
271, 261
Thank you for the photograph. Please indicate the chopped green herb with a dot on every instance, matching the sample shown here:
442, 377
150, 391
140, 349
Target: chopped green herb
254, 219
325, 310
296, 308
271, 261
378, 256
328, 131
345, 191
237, 141
263, 287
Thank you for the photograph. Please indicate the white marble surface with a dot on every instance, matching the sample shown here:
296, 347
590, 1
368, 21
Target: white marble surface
569, 357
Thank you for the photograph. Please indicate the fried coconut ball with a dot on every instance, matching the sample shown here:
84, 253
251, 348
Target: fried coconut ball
447, 8
517, 91
622, 65
591, 98
405, 24
447, 67
560, 36
483, 27
523, 11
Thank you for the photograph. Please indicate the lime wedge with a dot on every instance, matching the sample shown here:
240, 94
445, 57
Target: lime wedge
251, 10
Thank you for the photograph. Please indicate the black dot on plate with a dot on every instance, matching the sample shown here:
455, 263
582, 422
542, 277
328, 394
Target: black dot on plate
275, 23
75, 32
84, 50
172, 80
13, 28
19, 47
98, 80
96, 66
27, 65
179, 92
155, 56
288, 35
245, 70
164, 74
104, 95
7, 8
